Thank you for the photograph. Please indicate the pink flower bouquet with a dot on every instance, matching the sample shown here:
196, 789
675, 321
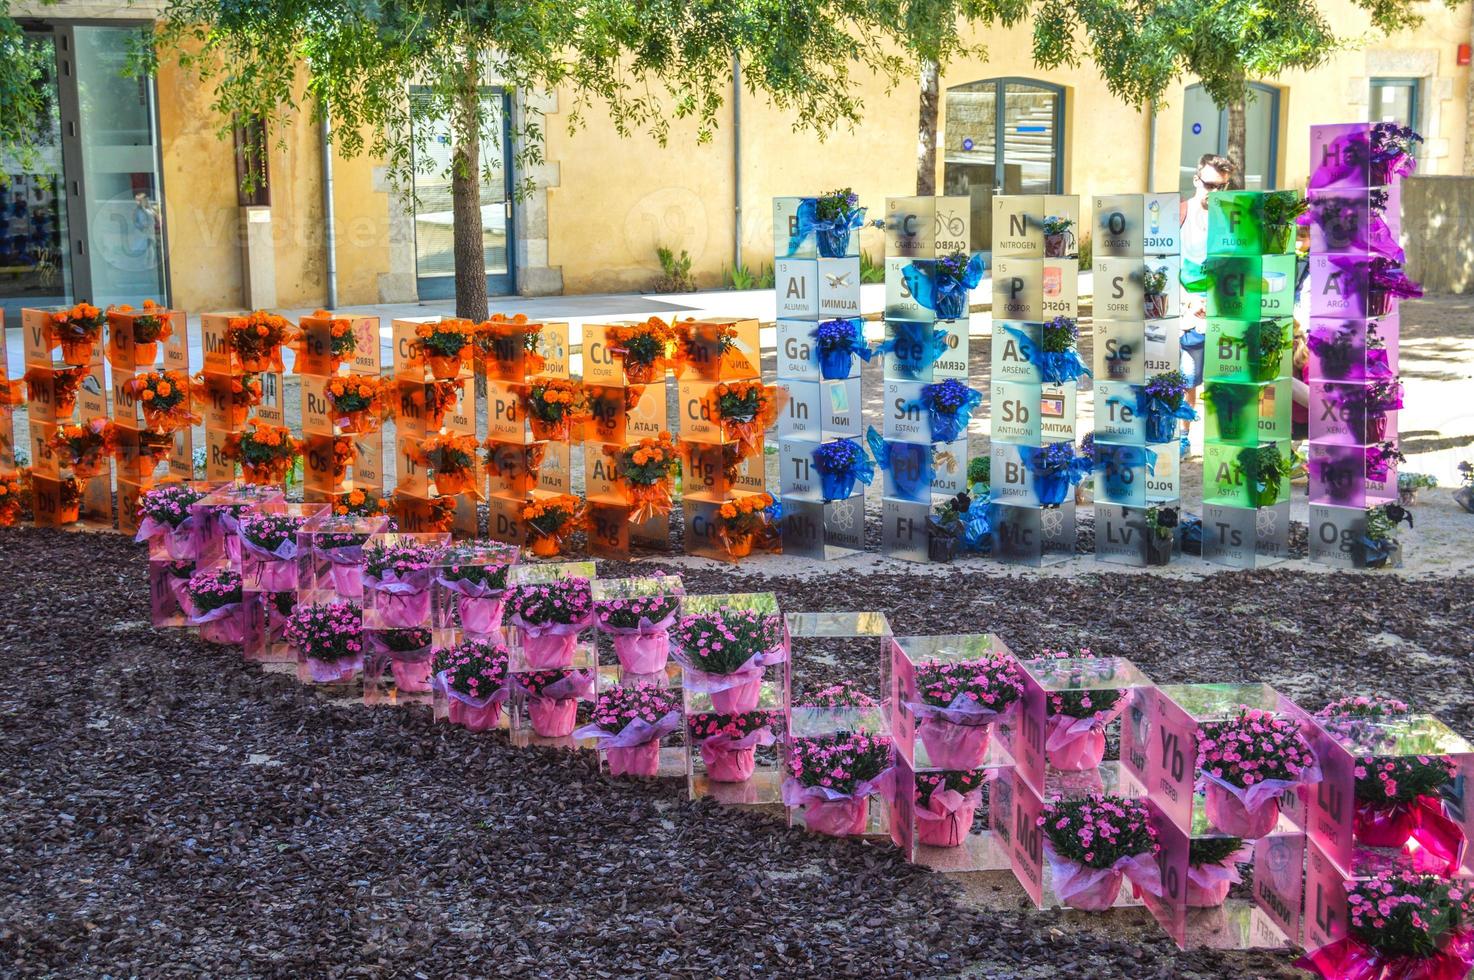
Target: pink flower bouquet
1212, 869
216, 607
271, 539
165, 521
552, 697
397, 579
628, 723
408, 654
479, 582
725, 654
959, 701
640, 626
946, 804
1091, 843
343, 550
728, 743
1247, 764
328, 637
474, 675
549, 616
833, 776
1404, 926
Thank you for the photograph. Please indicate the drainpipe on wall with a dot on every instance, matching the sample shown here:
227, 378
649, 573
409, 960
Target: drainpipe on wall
329, 224
1151, 147
737, 160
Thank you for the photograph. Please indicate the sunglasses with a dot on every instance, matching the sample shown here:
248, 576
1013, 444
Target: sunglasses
1211, 185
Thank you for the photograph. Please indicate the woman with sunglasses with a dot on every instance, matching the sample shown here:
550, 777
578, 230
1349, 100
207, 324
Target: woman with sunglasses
1214, 173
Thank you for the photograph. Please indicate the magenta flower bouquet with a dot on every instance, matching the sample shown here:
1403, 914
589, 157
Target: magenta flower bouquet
477, 575
845, 694
271, 539
725, 654
946, 805
640, 626
548, 617
165, 521
339, 539
473, 674
551, 698
397, 579
833, 776
329, 640
1212, 869
728, 743
1074, 728
1247, 764
408, 654
628, 723
1091, 843
1402, 925
216, 607
959, 700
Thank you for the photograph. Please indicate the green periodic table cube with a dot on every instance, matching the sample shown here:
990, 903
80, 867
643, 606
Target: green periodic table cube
1235, 286
1248, 350
1236, 223
1243, 414
1232, 474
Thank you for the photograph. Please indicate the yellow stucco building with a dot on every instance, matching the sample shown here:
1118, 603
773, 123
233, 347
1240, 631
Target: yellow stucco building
137, 194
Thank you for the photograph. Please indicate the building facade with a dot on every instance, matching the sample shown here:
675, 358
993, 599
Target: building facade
135, 192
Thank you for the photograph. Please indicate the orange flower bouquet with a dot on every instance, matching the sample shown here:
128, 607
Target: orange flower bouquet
453, 458
342, 341
343, 454
644, 349
443, 513
245, 394
516, 462
357, 503
256, 340
77, 330
432, 399
153, 449
501, 339
149, 326
165, 397
703, 345
85, 448
552, 406
64, 387
549, 522
740, 521
69, 504
744, 410
357, 402
12, 499
264, 451
607, 408
647, 470
444, 346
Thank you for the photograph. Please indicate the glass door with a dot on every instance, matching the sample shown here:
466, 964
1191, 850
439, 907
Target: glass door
434, 234
35, 264
1205, 130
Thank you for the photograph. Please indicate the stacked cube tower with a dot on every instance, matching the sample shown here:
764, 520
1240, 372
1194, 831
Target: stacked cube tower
1136, 266
1250, 268
1035, 279
1353, 340
522, 465
811, 290
325, 478
415, 489
717, 468
924, 347
224, 413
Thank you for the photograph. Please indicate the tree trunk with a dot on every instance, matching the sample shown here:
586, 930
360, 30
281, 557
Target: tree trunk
926, 132
465, 195
1238, 136
1468, 117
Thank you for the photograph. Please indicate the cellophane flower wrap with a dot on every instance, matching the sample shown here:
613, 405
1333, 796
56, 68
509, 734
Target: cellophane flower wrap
647, 470
836, 343
1212, 868
473, 675
832, 775
164, 515
946, 803
357, 402
831, 218
328, 638
1402, 925
551, 698
957, 702
949, 405
399, 575
510, 344
256, 340
1055, 468
62, 384
215, 605
728, 650
1255, 757
839, 464
942, 284
549, 616
624, 717
407, 652
478, 578
1089, 843
550, 521
1393, 151
744, 410
728, 742
84, 447
911, 464
1162, 400
77, 330
913, 347
1056, 357
264, 451
1076, 718
741, 519
444, 346
452, 459
642, 348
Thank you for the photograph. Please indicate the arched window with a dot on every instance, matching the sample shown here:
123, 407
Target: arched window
1005, 135
1205, 130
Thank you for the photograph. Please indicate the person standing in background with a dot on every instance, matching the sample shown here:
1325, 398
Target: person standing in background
1214, 173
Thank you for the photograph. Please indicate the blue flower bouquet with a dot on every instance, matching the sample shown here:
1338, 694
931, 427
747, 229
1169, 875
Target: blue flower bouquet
831, 218
941, 285
949, 405
1162, 400
839, 464
915, 348
1056, 359
837, 342
908, 463
1055, 469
